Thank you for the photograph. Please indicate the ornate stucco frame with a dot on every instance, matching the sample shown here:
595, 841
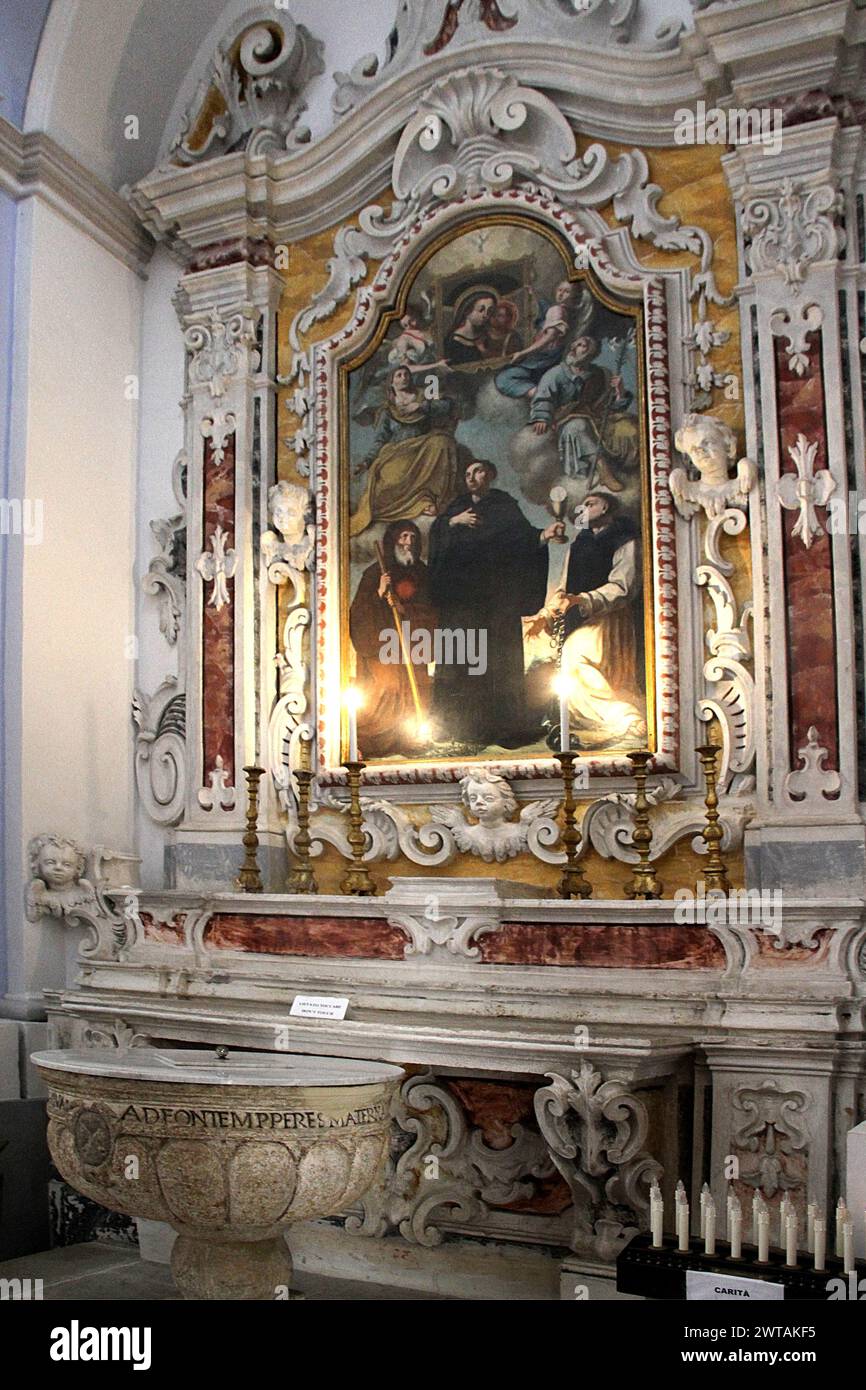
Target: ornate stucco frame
612, 273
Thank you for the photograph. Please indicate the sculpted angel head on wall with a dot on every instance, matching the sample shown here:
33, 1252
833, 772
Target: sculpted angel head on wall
57, 884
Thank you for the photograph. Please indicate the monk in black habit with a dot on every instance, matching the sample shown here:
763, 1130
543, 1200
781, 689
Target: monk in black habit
488, 569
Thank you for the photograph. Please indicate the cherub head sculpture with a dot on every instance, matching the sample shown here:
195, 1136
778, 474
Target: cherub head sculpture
488, 798
709, 444
291, 545
57, 884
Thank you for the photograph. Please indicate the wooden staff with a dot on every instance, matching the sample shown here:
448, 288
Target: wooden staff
410, 672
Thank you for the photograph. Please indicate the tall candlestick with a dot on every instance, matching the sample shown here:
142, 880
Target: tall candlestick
791, 1239
736, 1233
683, 1226
848, 1246
645, 883
763, 1237
819, 1232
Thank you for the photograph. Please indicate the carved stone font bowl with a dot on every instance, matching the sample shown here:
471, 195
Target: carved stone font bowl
228, 1151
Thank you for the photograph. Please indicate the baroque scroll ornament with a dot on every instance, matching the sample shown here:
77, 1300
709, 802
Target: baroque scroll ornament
166, 573
596, 1131
478, 131
252, 91
711, 447
424, 28
217, 347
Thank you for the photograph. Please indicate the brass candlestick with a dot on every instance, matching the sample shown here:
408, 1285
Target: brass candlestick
644, 882
302, 878
573, 884
357, 880
249, 879
715, 871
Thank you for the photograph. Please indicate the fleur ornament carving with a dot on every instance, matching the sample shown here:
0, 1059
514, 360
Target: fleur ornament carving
805, 490
217, 566
216, 346
812, 779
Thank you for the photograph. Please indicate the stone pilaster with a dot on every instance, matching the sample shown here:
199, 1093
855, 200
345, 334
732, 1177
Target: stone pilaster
800, 229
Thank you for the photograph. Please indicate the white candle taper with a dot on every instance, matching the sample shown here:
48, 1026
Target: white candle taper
757, 1204
683, 1226
562, 686
811, 1213
841, 1218
705, 1198
819, 1231
352, 701
710, 1227
848, 1246
763, 1236
657, 1215
680, 1192
736, 1233
785, 1209
791, 1238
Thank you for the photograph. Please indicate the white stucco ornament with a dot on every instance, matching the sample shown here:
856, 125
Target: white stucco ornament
289, 549
711, 447
57, 885
489, 798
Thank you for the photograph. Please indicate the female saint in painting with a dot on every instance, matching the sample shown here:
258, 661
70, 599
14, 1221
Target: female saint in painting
413, 463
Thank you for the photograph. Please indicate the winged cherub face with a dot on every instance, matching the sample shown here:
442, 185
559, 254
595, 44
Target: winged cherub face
486, 802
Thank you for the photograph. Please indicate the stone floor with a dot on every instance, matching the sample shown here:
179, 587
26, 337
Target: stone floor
100, 1272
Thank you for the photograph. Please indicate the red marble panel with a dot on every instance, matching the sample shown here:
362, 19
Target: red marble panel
218, 655
369, 937
169, 933
493, 1107
642, 948
808, 573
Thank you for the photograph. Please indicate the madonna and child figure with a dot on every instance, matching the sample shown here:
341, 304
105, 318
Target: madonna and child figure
500, 382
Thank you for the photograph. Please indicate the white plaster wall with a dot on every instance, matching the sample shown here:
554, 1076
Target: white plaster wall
74, 449
160, 439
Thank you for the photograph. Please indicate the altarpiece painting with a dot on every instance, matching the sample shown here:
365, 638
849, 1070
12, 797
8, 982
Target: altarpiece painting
494, 516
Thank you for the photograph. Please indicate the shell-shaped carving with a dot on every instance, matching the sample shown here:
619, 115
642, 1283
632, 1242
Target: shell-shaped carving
262, 1182
193, 1179
323, 1176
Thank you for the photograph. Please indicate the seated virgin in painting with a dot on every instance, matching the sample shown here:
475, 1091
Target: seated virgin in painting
413, 463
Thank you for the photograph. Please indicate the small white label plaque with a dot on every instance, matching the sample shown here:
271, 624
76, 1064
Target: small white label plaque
318, 1006
705, 1287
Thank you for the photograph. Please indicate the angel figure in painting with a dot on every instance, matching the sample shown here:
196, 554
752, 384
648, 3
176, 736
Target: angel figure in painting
57, 884
412, 466
570, 312
711, 446
489, 798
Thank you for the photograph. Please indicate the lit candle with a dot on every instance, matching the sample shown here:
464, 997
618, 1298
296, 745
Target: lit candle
352, 702
562, 686
848, 1246
305, 753
657, 1215
763, 1237
791, 1238
841, 1218
736, 1232
819, 1231
710, 1227
682, 1226
811, 1213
